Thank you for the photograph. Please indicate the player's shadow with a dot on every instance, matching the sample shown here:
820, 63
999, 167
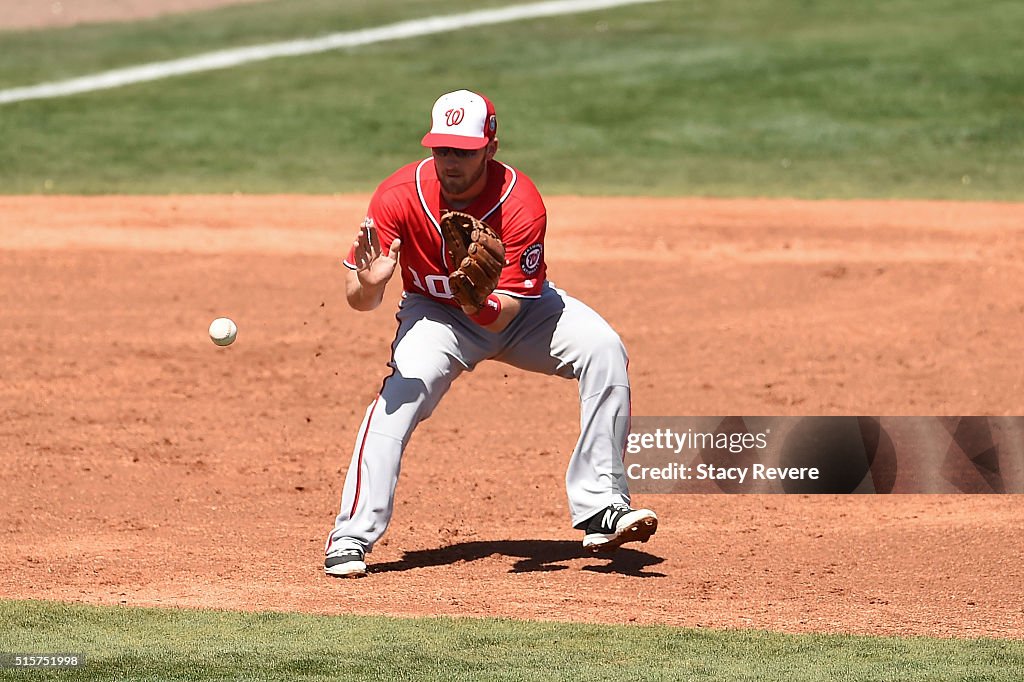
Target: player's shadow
532, 555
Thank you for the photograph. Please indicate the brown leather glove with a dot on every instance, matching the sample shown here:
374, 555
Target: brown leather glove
476, 253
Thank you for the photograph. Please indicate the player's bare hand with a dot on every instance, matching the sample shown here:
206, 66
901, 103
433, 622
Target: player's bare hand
374, 266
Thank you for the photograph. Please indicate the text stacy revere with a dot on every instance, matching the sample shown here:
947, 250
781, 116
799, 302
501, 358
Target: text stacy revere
712, 472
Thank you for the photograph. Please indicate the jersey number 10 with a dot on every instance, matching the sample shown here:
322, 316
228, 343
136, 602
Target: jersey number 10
437, 285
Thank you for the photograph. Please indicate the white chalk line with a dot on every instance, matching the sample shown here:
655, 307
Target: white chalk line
225, 59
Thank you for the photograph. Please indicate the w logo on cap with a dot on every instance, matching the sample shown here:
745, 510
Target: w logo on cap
462, 120
453, 117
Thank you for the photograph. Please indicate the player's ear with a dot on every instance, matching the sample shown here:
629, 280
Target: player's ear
492, 148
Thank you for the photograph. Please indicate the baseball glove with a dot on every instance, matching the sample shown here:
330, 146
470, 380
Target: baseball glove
476, 253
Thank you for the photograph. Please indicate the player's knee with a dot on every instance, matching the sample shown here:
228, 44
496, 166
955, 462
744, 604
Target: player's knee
431, 373
606, 351
418, 384
607, 345
409, 398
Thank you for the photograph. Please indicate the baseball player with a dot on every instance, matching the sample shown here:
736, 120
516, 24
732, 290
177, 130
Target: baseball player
468, 296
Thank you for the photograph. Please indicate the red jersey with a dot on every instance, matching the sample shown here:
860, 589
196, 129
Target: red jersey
409, 205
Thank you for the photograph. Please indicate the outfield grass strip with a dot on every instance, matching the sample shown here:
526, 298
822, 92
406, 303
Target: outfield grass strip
121, 643
225, 59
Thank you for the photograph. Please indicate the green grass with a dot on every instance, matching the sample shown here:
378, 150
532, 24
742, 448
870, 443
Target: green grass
154, 644
909, 98
35, 55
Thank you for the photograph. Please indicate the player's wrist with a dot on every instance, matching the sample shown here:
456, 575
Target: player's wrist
489, 312
364, 295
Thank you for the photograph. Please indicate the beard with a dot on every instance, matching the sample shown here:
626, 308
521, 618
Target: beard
459, 184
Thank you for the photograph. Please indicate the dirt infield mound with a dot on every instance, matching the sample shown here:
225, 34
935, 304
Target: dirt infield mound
142, 465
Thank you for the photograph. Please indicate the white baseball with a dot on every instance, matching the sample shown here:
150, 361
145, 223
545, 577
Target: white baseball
223, 331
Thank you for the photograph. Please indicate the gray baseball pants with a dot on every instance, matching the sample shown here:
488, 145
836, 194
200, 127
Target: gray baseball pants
553, 334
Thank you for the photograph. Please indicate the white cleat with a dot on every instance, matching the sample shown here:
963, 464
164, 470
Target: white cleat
617, 525
345, 563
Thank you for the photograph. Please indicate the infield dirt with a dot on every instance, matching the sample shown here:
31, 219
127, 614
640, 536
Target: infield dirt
142, 465
29, 15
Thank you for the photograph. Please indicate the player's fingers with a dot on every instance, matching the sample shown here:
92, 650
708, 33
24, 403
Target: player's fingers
393, 250
373, 244
359, 258
362, 257
366, 239
376, 240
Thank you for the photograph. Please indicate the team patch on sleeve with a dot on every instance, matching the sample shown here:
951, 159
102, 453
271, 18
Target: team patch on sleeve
529, 262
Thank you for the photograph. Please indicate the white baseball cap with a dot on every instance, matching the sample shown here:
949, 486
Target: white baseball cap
463, 120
